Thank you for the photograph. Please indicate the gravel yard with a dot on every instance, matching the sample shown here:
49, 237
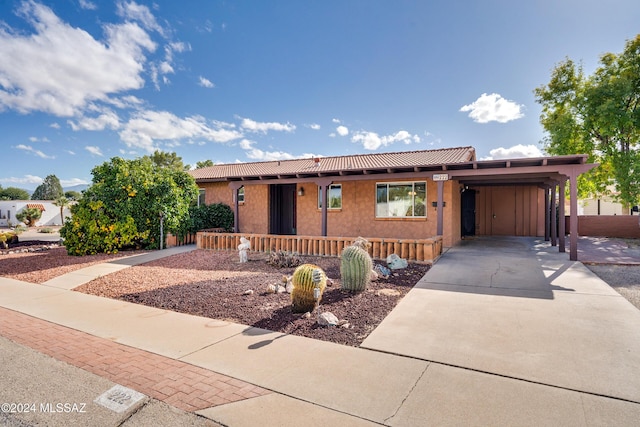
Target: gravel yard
213, 284
625, 279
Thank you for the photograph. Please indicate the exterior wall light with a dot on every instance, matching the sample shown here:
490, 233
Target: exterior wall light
301, 192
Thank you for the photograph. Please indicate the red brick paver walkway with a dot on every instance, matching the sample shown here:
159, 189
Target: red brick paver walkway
177, 383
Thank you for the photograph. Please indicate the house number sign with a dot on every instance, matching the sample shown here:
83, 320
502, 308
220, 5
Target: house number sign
441, 177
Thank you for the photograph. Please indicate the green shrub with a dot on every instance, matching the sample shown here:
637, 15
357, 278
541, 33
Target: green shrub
216, 215
91, 230
46, 230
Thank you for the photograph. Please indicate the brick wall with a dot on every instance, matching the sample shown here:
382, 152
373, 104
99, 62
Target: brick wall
356, 218
623, 226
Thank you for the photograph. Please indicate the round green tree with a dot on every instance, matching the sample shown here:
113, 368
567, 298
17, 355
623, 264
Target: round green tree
133, 195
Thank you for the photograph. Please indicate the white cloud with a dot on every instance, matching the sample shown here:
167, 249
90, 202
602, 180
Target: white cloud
205, 82
314, 126
336, 120
59, 69
73, 153
32, 150
493, 108
55, 125
373, 141
88, 5
254, 153
140, 13
342, 130
36, 139
263, 127
514, 152
94, 150
108, 119
27, 179
147, 128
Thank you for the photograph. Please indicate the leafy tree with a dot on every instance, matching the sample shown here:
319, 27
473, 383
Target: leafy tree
29, 216
204, 164
50, 189
131, 196
163, 159
598, 115
13, 193
62, 202
73, 195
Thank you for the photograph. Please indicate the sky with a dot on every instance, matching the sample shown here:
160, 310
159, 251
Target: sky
83, 81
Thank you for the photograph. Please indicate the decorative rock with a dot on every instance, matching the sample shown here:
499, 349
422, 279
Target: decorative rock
343, 322
395, 262
388, 293
345, 325
306, 315
248, 292
329, 282
374, 276
327, 319
280, 289
272, 289
382, 271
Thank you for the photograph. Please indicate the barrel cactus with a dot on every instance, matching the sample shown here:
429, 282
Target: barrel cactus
355, 268
306, 278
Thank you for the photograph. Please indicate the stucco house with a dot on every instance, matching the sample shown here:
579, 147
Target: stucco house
400, 195
50, 212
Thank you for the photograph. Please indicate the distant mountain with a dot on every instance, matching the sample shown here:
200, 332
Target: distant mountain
79, 188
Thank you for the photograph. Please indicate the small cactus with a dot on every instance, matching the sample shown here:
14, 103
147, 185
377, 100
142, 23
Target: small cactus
306, 278
355, 268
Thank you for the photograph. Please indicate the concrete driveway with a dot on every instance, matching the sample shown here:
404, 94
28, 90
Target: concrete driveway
517, 308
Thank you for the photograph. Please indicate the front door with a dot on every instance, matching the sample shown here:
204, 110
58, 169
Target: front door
469, 213
282, 200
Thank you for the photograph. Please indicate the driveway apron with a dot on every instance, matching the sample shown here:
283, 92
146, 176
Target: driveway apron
518, 308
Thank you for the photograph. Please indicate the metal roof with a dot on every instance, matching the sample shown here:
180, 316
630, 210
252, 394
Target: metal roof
361, 164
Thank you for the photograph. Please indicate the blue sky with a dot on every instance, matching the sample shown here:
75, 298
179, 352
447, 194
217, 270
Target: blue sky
82, 81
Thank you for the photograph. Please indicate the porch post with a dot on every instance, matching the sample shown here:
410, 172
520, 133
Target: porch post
235, 186
561, 225
573, 221
440, 203
553, 215
324, 184
546, 214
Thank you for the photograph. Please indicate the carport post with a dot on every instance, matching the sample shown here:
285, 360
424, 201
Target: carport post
440, 203
573, 221
546, 214
561, 219
553, 215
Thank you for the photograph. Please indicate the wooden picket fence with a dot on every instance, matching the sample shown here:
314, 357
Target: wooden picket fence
425, 251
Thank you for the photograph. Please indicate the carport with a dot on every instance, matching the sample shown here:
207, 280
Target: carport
550, 174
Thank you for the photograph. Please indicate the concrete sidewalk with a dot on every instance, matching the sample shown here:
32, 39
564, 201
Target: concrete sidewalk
406, 377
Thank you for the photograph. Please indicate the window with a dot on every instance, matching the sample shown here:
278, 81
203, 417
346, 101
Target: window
201, 194
335, 196
401, 199
241, 194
